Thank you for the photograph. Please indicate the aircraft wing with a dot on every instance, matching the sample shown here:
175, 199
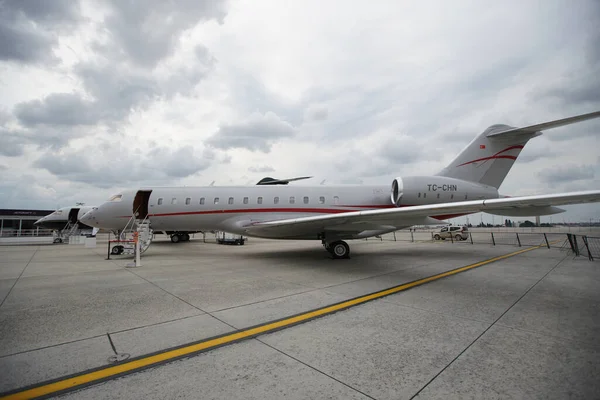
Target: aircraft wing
407, 216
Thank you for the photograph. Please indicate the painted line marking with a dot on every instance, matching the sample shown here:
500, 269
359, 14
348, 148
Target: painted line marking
83, 379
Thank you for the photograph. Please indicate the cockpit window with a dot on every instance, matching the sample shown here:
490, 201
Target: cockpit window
116, 197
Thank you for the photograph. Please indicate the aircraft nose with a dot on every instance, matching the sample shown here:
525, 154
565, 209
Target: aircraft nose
39, 221
89, 218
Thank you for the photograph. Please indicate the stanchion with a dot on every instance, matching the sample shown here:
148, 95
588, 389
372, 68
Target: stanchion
108, 252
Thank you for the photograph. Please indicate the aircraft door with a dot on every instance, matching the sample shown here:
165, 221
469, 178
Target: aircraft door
73, 215
140, 203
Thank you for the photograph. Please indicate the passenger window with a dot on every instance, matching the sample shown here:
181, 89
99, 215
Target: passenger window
322, 199
419, 194
305, 199
201, 200
188, 201
292, 199
245, 200
230, 200
160, 200
451, 196
438, 196
276, 200
424, 195
174, 200
216, 200
336, 200
466, 196
259, 200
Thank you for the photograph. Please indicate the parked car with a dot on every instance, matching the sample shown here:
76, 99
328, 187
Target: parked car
449, 232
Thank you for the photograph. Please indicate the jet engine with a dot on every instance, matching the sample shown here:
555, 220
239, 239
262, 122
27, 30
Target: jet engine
397, 191
441, 189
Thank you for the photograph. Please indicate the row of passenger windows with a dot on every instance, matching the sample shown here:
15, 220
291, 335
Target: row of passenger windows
438, 196
246, 200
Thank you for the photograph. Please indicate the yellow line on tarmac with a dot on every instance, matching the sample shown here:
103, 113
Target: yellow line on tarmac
88, 378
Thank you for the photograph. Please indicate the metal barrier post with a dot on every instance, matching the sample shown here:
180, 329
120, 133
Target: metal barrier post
576, 245
587, 248
451, 236
108, 252
493, 240
546, 239
394, 236
471, 236
518, 240
412, 236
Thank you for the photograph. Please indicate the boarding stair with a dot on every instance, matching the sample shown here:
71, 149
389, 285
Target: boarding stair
70, 229
144, 232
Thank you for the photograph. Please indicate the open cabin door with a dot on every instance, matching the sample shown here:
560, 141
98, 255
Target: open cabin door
73, 215
140, 204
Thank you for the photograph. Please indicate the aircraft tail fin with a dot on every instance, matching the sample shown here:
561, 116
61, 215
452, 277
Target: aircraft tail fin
491, 155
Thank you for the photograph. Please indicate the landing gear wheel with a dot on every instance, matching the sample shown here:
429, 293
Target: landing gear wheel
117, 250
175, 238
339, 249
186, 237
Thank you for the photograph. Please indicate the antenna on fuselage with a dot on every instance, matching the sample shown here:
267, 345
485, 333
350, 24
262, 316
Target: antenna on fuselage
323, 181
212, 183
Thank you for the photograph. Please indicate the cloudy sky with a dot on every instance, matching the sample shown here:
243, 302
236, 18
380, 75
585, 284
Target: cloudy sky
96, 96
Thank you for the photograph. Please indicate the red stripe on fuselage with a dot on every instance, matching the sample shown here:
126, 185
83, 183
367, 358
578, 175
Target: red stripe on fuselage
257, 210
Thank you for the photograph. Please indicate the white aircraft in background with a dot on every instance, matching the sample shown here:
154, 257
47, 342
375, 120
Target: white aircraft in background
332, 214
64, 216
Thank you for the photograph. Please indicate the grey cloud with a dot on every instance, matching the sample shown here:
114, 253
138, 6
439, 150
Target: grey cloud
178, 163
57, 109
566, 173
146, 32
12, 144
27, 28
389, 155
316, 113
161, 165
23, 44
262, 169
3, 167
533, 153
258, 132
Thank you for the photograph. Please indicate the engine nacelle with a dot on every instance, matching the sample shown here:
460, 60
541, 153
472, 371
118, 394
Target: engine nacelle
397, 191
413, 190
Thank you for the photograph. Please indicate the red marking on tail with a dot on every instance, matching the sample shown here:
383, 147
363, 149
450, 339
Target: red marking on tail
495, 156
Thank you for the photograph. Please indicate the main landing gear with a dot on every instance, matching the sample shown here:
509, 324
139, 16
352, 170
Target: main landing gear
338, 249
180, 237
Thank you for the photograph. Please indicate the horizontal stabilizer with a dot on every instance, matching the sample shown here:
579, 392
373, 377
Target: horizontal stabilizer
514, 132
272, 181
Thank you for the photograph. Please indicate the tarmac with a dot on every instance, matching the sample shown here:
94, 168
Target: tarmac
523, 325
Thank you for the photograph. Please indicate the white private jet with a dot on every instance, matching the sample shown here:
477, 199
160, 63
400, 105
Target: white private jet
64, 216
332, 214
